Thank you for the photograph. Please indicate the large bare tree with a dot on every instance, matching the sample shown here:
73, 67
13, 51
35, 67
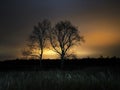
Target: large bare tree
63, 36
38, 38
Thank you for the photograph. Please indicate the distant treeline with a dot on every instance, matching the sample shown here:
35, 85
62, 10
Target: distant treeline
47, 64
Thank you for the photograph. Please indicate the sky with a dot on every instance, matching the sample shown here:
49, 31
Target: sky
97, 20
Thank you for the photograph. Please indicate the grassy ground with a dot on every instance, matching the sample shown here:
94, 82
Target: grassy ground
86, 79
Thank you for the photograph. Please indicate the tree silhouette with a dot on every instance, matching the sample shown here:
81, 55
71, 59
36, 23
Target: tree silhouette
38, 38
26, 53
63, 36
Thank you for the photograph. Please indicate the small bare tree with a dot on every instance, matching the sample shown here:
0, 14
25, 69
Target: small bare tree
38, 38
63, 36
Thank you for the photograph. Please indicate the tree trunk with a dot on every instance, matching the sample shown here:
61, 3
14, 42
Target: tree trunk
62, 59
41, 55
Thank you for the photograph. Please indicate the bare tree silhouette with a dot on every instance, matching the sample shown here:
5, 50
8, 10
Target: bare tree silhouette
63, 36
38, 38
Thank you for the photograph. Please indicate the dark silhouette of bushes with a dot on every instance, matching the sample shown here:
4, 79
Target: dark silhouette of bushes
47, 64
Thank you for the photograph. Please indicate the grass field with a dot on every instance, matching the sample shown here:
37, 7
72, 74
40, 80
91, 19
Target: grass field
85, 79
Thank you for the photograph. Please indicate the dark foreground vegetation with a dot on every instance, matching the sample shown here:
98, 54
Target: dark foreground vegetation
85, 74
47, 64
85, 79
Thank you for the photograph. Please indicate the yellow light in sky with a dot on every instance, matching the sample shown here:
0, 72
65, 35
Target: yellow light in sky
49, 52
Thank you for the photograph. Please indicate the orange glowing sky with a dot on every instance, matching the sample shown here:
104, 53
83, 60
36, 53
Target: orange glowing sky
97, 20
100, 35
